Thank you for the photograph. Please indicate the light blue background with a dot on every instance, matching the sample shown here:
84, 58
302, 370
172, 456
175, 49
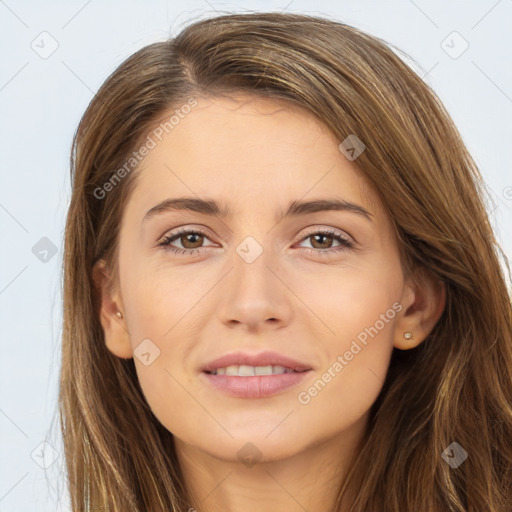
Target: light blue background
42, 100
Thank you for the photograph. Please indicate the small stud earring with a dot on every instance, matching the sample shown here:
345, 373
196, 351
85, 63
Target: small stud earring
408, 335
119, 314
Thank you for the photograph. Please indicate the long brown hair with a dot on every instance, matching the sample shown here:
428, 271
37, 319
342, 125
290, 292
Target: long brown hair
456, 386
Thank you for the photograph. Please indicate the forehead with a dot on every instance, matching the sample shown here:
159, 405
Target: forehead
249, 151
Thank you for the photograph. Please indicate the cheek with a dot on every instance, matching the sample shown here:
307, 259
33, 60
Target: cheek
159, 305
356, 361
358, 310
350, 299
156, 299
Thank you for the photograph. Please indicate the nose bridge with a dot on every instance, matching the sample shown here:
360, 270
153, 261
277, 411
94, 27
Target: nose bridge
252, 293
251, 260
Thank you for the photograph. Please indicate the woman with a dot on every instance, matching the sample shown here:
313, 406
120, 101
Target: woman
281, 288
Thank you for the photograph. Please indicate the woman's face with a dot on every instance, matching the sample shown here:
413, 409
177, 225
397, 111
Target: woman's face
238, 275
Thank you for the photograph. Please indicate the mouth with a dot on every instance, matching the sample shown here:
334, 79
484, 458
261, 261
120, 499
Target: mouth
251, 371
261, 375
245, 364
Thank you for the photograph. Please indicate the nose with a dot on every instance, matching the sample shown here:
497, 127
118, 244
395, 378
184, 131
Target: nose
254, 295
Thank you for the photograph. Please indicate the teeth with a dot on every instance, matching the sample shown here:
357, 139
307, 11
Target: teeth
232, 370
263, 370
249, 371
245, 371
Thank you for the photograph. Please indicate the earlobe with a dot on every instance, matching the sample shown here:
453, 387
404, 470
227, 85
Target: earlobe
424, 304
112, 320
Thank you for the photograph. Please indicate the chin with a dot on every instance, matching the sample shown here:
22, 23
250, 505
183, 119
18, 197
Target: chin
254, 442
250, 451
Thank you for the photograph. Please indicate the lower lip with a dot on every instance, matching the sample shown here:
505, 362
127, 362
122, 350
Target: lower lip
259, 386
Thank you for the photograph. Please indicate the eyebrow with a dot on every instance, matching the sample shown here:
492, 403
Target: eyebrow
295, 208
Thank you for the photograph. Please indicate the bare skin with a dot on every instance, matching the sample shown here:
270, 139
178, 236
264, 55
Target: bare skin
306, 296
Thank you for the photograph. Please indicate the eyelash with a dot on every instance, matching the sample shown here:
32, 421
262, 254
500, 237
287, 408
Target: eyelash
344, 242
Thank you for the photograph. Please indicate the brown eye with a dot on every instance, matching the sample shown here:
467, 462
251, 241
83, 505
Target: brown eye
194, 239
321, 241
190, 240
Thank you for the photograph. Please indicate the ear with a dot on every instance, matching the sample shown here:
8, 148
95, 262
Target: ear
423, 302
115, 331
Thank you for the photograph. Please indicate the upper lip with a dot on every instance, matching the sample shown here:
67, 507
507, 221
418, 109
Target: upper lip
266, 358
